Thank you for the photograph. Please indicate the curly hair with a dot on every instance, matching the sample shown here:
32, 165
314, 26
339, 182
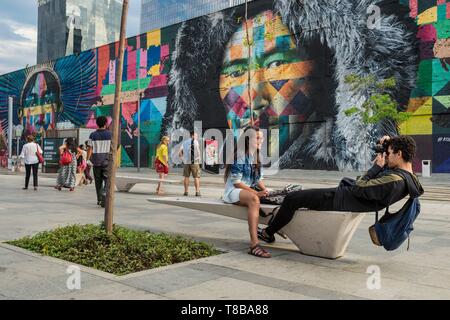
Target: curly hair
406, 145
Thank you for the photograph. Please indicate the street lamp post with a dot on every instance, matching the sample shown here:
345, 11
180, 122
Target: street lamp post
139, 133
10, 131
139, 117
139, 120
18, 130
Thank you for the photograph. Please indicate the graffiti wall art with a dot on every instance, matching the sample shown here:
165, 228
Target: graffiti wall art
281, 68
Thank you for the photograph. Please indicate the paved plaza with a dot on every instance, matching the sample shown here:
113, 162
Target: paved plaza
423, 272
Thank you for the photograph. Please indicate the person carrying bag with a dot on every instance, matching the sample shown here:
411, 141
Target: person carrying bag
68, 161
32, 155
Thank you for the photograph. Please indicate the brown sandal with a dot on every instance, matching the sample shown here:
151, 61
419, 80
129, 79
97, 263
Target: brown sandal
259, 252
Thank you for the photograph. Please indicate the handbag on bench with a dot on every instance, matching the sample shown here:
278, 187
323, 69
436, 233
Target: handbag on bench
277, 196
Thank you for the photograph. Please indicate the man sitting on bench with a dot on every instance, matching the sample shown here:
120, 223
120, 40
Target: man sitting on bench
389, 180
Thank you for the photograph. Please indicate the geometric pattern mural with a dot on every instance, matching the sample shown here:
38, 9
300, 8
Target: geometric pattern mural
430, 101
81, 87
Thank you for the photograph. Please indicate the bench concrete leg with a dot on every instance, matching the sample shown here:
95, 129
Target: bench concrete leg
124, 186
323, 234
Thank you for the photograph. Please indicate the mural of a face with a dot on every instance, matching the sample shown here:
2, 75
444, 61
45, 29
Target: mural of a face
279, 78
40, 102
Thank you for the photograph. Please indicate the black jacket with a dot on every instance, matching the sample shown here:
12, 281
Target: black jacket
376, 190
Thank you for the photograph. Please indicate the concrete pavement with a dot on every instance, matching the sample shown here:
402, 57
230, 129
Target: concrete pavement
423, 272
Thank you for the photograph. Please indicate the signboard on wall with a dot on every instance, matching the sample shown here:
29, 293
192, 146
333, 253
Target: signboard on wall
50, 150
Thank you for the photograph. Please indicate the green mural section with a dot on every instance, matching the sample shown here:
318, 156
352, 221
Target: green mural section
430, 100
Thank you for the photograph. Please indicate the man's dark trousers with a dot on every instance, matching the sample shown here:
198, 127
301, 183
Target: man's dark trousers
100, 176
314, 199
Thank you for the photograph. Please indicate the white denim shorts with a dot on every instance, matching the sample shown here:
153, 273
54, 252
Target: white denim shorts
233, 196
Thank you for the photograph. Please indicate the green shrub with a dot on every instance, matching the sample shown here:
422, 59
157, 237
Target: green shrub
124, 251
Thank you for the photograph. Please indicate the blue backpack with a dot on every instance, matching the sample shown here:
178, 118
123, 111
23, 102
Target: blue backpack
394, 228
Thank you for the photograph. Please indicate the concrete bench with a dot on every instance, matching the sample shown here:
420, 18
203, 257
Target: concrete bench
324, 234
125, 183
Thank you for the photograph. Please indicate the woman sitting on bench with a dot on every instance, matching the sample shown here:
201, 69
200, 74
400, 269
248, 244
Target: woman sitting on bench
241, 176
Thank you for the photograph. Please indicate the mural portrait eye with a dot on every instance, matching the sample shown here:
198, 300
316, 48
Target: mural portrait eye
237, 74
275, 64
234, 71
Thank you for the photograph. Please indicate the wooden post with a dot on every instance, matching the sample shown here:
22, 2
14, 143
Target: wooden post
109, 205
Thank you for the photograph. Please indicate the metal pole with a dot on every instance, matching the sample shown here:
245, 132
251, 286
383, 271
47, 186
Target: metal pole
112, 167
10, 129
249, 51
139, 121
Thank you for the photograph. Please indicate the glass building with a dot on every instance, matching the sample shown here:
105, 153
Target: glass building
70, 26
156, 14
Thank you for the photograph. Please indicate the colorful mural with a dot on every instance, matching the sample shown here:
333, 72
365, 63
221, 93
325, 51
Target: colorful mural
430, 100
283, 68
280, 75
40, 102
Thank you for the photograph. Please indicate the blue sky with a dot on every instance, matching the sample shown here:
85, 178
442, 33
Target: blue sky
18, 32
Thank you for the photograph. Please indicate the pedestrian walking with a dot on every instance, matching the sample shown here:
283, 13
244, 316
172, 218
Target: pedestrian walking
98, 157
162, 162
81, 163
30, 153
87, 171
68, 165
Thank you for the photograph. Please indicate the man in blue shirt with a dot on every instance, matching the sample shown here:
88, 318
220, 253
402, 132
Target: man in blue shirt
99, 147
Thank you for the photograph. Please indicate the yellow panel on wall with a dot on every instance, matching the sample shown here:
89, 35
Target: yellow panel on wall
154, 71
154, 38
420, 122
416, 103
428, 16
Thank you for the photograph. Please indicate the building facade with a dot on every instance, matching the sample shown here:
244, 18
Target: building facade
298, 58
156, 14
67, 27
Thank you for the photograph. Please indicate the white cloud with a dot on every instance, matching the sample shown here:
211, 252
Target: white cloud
17, 52
19, 38
133, 19
29, 32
